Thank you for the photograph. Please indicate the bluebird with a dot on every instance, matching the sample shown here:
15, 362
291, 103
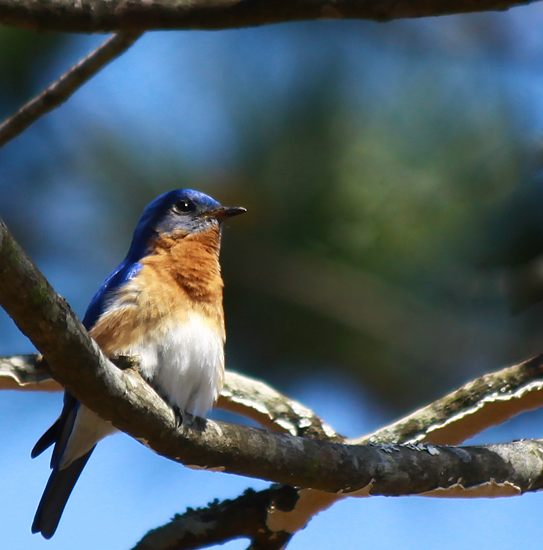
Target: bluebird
163, 303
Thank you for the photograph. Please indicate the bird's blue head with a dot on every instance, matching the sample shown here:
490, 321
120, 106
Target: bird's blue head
179, 211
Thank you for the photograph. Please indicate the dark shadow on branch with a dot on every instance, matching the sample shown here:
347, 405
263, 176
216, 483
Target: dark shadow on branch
243, 517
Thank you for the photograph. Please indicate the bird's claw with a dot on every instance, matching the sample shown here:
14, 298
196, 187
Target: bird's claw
179, 416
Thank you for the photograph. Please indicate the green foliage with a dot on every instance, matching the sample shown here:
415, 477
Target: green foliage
22, 53
365, 212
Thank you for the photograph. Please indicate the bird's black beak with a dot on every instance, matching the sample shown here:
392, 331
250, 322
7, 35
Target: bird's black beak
224, 212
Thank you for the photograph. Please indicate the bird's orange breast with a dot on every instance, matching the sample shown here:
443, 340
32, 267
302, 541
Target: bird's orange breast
182, 275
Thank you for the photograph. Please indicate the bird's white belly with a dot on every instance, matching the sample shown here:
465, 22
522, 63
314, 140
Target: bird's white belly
185, 364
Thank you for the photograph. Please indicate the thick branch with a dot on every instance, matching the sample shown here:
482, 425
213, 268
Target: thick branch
123, 397
62, 89
480, 404
120, 15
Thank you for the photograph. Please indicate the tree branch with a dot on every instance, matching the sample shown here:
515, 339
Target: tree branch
21, 372
485, 402
123, 397
66, 85
244, 517
272, 410
241, 395
482, 403
93, 16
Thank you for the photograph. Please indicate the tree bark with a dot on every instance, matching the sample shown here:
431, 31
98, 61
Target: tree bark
96, 16
125, 399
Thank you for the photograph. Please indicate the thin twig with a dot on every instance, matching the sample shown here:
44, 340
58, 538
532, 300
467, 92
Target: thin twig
478, 405
219, 522
66, 85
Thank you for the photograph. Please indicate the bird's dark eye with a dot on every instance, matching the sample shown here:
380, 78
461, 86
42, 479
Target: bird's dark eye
183, 206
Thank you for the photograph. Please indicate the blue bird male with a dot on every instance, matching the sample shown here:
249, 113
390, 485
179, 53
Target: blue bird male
163, 303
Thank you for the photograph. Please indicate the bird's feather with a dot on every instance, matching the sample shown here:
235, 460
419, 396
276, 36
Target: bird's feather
56, 494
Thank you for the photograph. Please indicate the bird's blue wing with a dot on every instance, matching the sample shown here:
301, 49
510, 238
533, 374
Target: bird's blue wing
122, 274
59, 432
62, 481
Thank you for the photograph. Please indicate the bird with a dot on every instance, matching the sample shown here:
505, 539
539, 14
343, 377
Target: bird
163, 304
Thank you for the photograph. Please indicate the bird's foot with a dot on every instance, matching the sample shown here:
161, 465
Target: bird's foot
179, 416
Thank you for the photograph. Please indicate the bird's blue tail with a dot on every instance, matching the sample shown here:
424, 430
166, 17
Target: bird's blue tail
56, 494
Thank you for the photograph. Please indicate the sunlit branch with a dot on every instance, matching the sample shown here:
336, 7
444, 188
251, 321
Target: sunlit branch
482, 403
241, 395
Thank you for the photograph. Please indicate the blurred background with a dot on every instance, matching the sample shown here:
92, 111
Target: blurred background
395, 225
